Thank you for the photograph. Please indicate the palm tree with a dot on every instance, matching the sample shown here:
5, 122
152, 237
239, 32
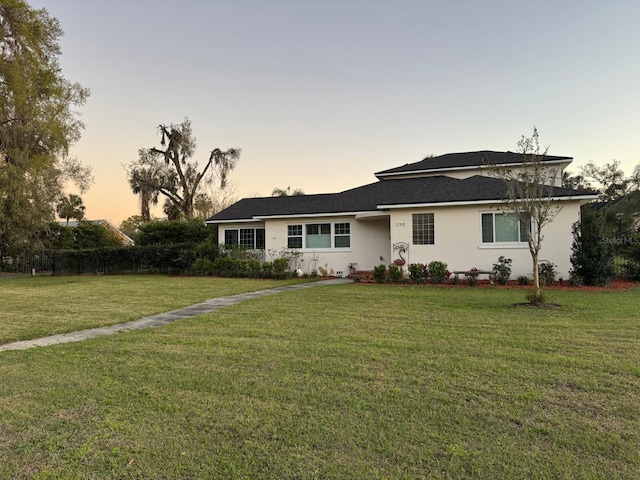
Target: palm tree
71, 207
286, 192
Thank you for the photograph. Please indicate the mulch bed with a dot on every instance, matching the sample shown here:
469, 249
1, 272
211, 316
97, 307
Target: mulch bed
617, 284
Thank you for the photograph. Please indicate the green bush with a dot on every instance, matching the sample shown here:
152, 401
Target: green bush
202, 266
417, 272
280, 268
591, 256
179, 231
396, 274
438, 271
502, 270
380, 273
536, 298
632, 268
546, 273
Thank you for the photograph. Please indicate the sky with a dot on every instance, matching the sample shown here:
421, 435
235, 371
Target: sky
319, 95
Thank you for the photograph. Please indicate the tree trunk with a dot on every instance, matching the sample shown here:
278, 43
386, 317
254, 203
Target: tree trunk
536, 276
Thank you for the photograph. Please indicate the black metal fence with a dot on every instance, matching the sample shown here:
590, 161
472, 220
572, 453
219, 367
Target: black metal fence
174, 258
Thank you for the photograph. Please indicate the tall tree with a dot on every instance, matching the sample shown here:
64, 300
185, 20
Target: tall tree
529, 199
37, 123
170, 170
610, 181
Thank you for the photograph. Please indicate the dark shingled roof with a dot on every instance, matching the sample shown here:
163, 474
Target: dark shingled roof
465, 160
424, 190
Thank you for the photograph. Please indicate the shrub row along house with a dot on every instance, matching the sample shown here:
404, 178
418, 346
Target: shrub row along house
446, 208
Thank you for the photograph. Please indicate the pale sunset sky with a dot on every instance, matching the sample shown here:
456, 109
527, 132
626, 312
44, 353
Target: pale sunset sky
321, 94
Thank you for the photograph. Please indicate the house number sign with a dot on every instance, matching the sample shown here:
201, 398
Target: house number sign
401, 224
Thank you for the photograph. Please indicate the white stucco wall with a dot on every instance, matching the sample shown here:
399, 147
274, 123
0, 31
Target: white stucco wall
458, 240
369, 241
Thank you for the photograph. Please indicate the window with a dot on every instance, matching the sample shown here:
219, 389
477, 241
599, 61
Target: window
231, 237
247, 237
319, 235
423, 229
502, 228
342, 235
252, 238
294, 236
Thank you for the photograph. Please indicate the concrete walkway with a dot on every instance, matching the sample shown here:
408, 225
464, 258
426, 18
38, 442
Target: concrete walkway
162, 318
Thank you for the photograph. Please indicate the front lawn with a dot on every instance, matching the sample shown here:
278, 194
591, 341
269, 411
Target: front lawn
32, 307
351, 381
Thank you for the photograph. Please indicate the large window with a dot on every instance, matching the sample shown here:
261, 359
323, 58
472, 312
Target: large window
423, 229
502, 228
319, 235
252, 238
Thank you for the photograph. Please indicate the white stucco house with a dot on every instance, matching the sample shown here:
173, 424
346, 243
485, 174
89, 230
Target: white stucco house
445, 208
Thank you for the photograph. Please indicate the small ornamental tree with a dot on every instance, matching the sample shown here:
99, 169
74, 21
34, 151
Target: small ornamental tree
529, 199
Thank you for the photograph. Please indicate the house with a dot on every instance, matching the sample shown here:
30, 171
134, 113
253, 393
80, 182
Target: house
107, 225
445, 208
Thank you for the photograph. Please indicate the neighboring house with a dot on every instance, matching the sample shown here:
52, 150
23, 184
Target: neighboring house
443, 208
106, 224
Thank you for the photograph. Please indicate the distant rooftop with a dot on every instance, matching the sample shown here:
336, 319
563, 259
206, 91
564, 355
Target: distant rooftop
464, 160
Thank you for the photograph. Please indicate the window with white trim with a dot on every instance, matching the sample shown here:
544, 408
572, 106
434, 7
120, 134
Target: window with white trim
502, 228
294, 236
319, 235
251, 238
423, 229
342, 235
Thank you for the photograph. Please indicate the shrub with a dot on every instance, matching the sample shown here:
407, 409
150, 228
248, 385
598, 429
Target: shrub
502, 270
396, 274
536, 298
546, 273
418, 272
202, 266
473, 276
437, 271
591, 257
632, 268
179, 231
280, 268
380, 273
523, 280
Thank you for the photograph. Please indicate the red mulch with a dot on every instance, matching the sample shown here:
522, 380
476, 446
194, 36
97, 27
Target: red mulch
616, 285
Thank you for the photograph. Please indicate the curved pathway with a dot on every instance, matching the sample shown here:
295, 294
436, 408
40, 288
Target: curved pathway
162, 318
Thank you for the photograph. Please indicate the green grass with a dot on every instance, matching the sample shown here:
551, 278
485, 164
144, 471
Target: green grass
32, 307
354, 381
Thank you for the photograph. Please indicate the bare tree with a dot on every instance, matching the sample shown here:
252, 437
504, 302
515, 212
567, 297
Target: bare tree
529, 198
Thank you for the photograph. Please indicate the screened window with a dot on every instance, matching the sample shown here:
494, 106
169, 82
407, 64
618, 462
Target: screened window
501, 228
342, 235
423, 229
252, 238
294, 236
318, 235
